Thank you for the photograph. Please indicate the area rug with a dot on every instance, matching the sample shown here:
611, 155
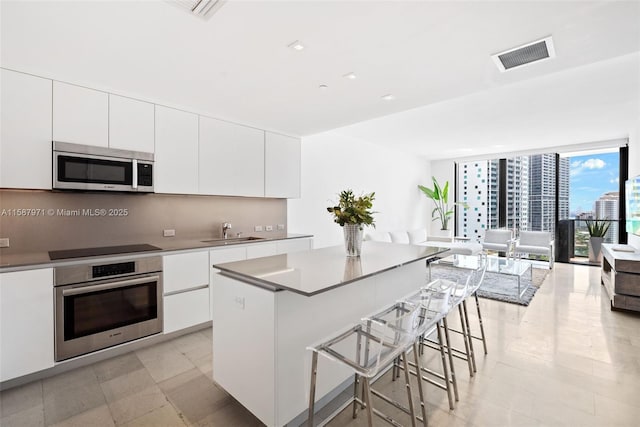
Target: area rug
496, 286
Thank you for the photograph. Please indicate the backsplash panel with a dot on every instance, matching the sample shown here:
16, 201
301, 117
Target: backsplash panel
46, 220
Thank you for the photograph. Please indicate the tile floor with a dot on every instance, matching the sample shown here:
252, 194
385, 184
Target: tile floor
566, 360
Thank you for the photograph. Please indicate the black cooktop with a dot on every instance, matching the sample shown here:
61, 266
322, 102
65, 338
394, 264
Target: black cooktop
105, 250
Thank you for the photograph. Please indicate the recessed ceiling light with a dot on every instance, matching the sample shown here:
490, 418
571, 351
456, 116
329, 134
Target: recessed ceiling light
350, 76
388, 97
323, 87
296, 45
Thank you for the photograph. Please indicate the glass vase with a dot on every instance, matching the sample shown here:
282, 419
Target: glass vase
352, 239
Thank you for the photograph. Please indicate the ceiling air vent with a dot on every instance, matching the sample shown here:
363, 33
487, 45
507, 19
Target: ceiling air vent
202, 8
526, 54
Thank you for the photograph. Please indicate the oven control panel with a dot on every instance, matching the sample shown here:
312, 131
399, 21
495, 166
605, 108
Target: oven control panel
82, 273
113, 269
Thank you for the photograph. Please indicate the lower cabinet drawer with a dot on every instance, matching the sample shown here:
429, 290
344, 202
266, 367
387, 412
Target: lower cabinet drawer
186, 309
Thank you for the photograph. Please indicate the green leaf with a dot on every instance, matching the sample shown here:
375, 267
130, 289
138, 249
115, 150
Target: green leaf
436, 189
445, 193
430, 194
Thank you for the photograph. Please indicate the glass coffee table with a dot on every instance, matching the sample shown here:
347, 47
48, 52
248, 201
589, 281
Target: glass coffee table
506, 266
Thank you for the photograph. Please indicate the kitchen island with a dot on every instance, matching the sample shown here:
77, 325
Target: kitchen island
267, 311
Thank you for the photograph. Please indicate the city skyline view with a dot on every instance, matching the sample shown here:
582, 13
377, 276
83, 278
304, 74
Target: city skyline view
591, 176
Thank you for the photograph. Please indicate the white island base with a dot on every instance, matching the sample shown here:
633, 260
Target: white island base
260, 337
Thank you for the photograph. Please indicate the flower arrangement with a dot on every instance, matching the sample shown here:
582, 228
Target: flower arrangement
353, 210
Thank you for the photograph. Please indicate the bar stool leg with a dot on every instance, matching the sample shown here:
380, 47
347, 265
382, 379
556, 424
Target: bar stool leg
484, 340
367, 401
445, 369
465, 338
423, 404
447, 338
312, 391
356, 380
407, 378
466, 319
356, 389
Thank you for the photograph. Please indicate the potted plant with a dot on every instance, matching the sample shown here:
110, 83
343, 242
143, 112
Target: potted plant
440, 196
353, 214
597, 230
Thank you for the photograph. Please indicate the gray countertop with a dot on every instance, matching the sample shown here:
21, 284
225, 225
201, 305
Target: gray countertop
319, 270
33, 260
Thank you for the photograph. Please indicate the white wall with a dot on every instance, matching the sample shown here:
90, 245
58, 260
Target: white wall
332, 162
634, 169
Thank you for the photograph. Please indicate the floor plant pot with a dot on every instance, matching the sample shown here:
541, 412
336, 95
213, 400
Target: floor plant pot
595, 249
352, 239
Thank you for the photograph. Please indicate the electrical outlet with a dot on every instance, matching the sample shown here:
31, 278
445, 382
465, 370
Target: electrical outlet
169, 233
4, 242
257, 228
268, 227
240, 302
280, 226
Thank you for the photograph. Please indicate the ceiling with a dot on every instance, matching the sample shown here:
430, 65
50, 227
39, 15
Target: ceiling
434, 57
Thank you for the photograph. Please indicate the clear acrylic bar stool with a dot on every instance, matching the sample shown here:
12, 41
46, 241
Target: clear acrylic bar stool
368, 348
476, 278
435, 299
396, 317
462, 293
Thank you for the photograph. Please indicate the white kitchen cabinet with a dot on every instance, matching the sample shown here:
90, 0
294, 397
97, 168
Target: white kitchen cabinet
186, 309
186, 289
222, 255
25, 131
258, 250
26, 322
80, 115
281, 166
293, 245
185, 271
176, 154
231, 159
131, 124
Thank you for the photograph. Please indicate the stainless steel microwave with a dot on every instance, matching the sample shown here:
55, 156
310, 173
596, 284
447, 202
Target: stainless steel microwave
84, 167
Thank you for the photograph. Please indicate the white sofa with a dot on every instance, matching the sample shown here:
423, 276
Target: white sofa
419, 237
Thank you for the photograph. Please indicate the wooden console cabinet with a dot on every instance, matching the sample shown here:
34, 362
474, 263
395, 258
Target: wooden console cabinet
621, 276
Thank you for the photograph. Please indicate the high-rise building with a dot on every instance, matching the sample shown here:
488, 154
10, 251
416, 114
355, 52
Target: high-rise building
518, 193
606, 207
530, 194
474, 189
542, 191
563, 190
478, 188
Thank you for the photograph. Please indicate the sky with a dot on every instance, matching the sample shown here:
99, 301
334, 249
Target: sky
590, 177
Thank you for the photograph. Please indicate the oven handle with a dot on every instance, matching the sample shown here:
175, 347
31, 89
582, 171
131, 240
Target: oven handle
112, 285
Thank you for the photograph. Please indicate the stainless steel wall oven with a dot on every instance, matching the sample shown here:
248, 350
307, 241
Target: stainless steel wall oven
101, 305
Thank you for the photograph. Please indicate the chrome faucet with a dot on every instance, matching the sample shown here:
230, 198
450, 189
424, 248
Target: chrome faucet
226, 226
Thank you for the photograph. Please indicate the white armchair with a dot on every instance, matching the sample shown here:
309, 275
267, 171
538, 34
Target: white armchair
536, 243
499, 240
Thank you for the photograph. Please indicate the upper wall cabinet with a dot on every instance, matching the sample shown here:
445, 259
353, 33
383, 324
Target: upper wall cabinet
176, 155
25, 131
130, 124
231, 159
282, 166
80, 115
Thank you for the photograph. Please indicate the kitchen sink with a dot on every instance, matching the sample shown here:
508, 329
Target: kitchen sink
232, 240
